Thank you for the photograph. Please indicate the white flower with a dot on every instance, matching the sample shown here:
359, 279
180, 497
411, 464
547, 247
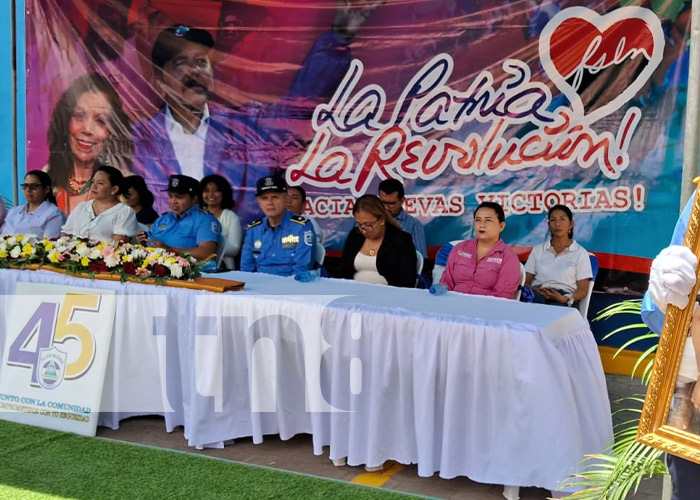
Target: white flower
94, 254
82, 249
112, 260
11, 241
175, 270
15, 252
138, 253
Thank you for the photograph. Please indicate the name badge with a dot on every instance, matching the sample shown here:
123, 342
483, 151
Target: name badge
290, 241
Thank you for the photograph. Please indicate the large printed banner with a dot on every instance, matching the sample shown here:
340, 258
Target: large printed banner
528, 103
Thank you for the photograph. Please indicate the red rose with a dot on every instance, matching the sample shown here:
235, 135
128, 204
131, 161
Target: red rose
160, 270
130, 268
98, 267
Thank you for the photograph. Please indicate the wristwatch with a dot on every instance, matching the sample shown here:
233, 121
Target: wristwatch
569, 299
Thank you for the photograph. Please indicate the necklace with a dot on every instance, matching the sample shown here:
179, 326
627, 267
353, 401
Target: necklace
373, 251
76, 187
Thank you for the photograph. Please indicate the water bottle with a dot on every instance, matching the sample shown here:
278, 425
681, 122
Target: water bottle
438, 289
208, 267
526, 294
307, 276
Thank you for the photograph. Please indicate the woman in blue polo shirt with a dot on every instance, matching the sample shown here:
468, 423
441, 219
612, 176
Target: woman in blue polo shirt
186, 229
39, 216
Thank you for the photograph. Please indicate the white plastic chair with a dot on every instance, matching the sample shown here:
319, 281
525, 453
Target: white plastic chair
419, 262
221, 245
439, 266
523, 276
320, 252
586, 301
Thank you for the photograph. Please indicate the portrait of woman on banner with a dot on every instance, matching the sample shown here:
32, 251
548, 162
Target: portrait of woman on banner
88, 127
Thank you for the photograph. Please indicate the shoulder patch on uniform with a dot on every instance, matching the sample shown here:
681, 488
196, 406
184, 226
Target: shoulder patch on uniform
309, 238
254, 223
299, 219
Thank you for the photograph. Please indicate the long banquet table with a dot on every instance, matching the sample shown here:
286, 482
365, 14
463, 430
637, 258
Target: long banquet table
500, 391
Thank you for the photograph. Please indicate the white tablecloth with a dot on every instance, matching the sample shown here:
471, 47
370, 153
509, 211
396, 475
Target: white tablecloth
499, 391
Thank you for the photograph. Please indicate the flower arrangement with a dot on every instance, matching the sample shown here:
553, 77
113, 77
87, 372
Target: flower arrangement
78, 256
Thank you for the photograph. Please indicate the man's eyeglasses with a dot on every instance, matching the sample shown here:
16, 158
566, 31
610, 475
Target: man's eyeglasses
366, 226
31, 186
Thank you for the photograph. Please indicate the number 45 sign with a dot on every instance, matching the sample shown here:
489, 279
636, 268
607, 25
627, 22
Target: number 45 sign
54, 357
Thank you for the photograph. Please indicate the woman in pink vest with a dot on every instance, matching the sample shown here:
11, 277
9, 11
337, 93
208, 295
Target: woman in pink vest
484, 265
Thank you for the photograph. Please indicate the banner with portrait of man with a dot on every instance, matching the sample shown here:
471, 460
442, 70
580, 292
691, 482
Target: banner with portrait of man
530, 104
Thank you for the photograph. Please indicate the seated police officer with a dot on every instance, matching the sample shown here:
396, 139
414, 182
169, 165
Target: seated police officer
187, 228
280, 243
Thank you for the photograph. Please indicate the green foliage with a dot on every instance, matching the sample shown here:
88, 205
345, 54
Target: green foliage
617, 474
633, 307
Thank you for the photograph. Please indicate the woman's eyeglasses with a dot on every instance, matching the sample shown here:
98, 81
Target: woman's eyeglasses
30, 186
366, 226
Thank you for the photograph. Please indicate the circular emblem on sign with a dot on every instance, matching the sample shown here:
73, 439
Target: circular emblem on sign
49, 374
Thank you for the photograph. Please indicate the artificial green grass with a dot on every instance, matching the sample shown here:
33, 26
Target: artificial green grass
42, 464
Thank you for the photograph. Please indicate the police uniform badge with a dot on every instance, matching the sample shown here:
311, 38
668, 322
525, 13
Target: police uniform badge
257, 244
162, 226
254, 223
289, 241
309, 238
299, 219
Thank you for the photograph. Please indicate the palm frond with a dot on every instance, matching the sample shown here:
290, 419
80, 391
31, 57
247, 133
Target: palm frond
619, 473
632, 306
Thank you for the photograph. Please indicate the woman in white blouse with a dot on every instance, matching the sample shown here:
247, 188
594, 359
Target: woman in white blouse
559, 269
217, 199
103, 217
39, 216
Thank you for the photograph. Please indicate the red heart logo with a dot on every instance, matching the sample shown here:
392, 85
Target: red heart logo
578, 44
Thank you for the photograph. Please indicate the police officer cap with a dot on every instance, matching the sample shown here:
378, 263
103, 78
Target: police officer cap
170, 41
183, 184
270, 184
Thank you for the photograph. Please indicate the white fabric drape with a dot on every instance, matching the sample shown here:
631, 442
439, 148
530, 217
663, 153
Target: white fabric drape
500, 391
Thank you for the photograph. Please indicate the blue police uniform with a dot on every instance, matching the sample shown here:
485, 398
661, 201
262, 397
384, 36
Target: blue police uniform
283, 250
193, 227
